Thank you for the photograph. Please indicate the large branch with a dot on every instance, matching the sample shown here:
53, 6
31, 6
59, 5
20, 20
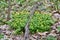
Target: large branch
26, 37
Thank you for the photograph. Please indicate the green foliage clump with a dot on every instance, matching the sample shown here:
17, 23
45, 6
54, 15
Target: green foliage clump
2, 21
1, 36
39, 22
58, 28
51, 38
18, 21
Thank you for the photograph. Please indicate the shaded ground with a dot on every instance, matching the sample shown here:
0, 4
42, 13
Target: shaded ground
55, 31
8, 34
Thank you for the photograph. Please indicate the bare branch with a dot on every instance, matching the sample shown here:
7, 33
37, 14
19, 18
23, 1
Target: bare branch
26, 37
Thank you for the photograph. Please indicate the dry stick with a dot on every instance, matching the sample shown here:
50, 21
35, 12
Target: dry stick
26, 36
9, 9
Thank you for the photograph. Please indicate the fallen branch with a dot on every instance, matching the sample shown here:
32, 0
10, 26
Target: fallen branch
26, 36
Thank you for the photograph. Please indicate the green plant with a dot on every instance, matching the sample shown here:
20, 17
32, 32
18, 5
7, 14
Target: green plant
2, 21
51, 38
39, 22
58, 28
18, 21
1, 36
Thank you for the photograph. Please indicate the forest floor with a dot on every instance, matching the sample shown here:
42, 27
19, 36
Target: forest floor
8, 34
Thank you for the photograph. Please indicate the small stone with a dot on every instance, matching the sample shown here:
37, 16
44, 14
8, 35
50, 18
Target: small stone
59, 23
53, 27
8, 33
18, 38
46, 33
34, 36
13, 37
53, 34
53, 31
57, 30
55, 24
4, 32
4, 27
40, 33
